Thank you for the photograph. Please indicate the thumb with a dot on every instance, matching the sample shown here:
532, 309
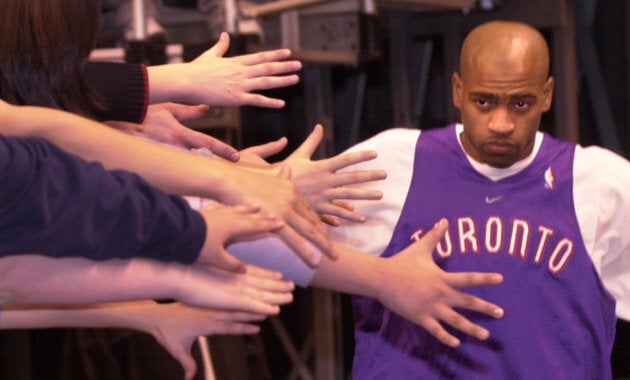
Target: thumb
268, 149
188, 364
184, 112
222, 45
311, 143
184, 358
229, 263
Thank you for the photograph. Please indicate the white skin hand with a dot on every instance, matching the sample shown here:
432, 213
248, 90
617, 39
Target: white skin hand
163, 124
228, 224
279, 196
258, 154
255, 290
230, 81
320, 183
176, 327
324, 187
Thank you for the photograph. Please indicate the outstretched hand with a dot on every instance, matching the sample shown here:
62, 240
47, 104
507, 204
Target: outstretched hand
278, 195
255, 290
220, 81
176, 327
258, 154
324, 187
228, 224
426, 295
163, 124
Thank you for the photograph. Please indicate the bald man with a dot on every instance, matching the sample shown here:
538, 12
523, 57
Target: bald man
551, 216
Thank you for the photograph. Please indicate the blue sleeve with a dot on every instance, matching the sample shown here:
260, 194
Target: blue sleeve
56, 204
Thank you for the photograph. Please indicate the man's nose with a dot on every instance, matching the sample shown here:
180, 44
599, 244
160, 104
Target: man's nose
501, 121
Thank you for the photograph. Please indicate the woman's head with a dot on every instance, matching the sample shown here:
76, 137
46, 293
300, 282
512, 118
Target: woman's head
44, 46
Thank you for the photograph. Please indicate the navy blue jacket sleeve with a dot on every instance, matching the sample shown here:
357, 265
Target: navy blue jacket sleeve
56, 204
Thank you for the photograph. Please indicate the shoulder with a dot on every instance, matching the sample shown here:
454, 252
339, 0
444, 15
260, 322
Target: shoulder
394, 146
600, 163
394, 137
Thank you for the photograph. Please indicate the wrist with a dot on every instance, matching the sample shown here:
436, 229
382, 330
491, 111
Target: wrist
169, 83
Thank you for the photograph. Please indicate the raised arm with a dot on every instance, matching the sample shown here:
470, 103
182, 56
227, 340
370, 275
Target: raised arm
411, 285
174, 325
421, 292
324, 182
175, 171
40, 280
215, 80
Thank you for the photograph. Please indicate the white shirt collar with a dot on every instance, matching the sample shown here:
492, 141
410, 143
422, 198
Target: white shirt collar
496, 174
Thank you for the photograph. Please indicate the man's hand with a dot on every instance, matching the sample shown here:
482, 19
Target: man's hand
426, 295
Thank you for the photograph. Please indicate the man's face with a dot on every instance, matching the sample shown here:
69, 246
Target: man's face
501, 107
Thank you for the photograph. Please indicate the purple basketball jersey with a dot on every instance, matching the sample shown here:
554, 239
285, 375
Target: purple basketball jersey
559, 320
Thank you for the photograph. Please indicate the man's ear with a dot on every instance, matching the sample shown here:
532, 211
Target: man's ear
457, 90
548, 93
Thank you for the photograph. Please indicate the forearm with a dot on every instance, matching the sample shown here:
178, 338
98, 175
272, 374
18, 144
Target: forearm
40, 280
58, 205
171, 170
128, 315
354, 273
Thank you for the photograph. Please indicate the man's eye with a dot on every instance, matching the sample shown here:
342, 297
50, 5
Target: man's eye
483, 104
521, 106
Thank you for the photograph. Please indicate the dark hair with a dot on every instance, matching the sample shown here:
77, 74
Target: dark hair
44, 47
